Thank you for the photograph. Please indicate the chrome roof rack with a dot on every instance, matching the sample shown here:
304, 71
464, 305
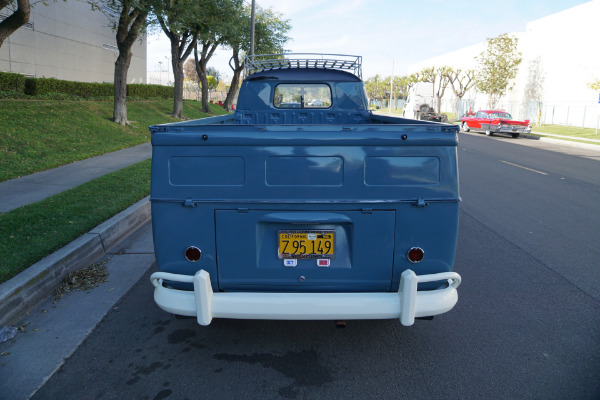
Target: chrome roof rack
266, 62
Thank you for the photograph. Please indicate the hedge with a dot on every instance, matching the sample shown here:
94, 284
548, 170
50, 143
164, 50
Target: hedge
41, 86
10, 82
146, 91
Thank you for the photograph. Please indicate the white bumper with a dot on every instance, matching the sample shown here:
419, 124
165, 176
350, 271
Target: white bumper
406, 304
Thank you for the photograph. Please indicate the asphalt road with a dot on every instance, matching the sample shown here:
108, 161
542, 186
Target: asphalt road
526, 325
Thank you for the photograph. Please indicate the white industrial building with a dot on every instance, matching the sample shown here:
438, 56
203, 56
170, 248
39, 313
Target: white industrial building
70, 41
565, 46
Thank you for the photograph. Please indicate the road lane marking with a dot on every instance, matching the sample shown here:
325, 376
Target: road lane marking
528, 169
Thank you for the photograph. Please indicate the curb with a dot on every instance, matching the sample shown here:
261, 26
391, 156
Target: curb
23, 292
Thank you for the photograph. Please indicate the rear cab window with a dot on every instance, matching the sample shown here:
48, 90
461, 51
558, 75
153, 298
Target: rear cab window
306, 95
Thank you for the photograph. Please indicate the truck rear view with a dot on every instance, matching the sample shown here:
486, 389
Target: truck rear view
303, 205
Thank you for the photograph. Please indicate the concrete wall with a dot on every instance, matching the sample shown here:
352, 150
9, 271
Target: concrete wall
565, 45
67, 40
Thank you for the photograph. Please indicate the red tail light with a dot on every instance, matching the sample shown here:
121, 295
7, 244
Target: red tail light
415, 255
193, 253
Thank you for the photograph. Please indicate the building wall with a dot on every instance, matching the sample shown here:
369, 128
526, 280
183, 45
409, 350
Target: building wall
67, 40
565, 45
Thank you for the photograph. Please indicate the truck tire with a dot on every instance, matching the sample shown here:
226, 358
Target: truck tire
465, 127
489, 133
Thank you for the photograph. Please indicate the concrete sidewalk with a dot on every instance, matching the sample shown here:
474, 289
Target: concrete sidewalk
53, 331
35, 187
23, 292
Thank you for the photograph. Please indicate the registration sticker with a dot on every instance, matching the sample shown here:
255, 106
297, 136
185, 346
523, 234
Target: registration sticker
290, 262
323, 262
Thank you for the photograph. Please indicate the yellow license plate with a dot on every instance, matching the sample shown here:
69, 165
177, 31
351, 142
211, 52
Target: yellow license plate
306, 244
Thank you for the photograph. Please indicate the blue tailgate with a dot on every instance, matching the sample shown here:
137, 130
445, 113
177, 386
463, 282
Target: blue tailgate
230, 190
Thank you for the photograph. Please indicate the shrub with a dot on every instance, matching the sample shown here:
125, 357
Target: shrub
50, 88
149, 91
10, 82
42, 86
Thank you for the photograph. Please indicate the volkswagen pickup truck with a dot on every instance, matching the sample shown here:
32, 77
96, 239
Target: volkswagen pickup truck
303, 205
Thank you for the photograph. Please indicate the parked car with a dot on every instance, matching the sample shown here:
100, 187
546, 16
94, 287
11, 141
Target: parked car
494, 121
283, 211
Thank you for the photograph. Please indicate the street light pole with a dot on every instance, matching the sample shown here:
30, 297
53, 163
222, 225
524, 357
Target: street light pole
160, 72
252, 29
168, 62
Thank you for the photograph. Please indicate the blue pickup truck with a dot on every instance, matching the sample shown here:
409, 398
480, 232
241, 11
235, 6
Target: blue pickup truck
303, 205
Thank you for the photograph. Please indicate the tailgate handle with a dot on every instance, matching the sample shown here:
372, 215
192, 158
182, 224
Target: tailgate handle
420, 203
306, 218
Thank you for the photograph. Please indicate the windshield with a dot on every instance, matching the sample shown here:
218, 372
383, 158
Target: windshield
503, 115
296, 95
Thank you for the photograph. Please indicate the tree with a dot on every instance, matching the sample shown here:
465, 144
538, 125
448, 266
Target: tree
218, 18
440, 84
129, 25
212, 71
411, 80
270, 37
460, 82
534, 89
428, 75
375, 88
498, 66
595, 85
14, 21
402, 85
178, 20
189, 70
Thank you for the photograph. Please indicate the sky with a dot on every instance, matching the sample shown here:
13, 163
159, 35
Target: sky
386, 33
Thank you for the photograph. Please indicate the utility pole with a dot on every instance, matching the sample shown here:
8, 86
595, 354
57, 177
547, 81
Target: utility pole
252, 29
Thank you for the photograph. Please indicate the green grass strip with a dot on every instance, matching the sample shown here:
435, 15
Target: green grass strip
574, 132
32, 232
40, 135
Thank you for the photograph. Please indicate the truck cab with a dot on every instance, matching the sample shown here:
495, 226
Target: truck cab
303, 205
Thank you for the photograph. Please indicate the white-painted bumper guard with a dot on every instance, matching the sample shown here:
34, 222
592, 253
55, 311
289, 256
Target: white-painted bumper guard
405, 304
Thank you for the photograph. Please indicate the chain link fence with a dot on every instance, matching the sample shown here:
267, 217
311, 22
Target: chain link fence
583, 116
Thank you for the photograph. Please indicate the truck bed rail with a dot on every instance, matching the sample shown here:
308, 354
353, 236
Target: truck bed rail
265, 62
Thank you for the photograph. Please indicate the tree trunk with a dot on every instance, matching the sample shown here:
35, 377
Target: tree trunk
178, 77
201, 71
15, 20
208, 49
120, 102
178, 94
456, 101
204, 83
235, 82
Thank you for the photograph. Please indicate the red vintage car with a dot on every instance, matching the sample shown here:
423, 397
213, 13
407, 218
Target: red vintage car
494, 121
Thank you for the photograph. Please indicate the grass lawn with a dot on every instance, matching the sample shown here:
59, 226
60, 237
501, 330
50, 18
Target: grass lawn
571, 131
36, 135
34, 231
